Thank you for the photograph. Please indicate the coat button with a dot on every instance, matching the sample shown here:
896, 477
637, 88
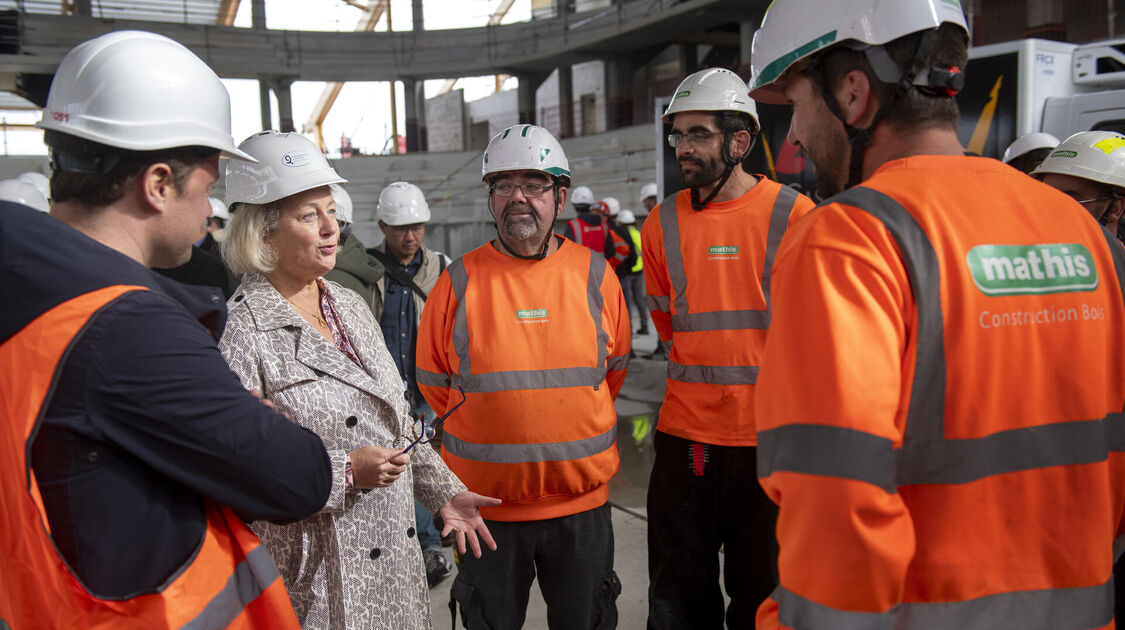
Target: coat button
351, 421
375, 553
92, 457
238, 298
410, 532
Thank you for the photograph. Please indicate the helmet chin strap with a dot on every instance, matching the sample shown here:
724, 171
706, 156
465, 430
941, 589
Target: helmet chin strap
858, 138
546, 241
731, 162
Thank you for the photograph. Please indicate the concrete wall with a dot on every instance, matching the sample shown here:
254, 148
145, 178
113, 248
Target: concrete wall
499, 110
588, 79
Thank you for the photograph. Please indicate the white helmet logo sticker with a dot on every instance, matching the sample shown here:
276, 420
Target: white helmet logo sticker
295, 158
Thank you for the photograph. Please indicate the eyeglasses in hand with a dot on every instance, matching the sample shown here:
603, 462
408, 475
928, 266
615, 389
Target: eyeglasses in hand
423, 433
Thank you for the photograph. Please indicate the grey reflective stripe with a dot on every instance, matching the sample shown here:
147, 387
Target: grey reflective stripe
530, 379
250, 579
815, 449
683, 319
618, 363
527, 379
526, 453
661, 303
433, 379
713, 374
1057, 609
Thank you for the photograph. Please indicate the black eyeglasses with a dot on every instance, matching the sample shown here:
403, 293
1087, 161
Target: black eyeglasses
423, 433
531, 190
695, 138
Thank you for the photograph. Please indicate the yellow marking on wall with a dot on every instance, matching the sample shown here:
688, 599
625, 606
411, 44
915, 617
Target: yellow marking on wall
984, 123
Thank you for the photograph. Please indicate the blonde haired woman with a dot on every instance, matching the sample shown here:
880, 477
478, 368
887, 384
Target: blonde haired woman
315, 351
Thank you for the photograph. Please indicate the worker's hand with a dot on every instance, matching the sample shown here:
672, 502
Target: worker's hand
462, 514
377, 466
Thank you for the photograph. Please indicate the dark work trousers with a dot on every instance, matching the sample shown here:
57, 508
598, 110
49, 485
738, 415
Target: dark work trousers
690, 516
633, 285
573, 559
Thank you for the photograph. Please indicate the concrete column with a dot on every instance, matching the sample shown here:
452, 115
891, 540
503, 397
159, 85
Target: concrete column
745, 42
618, 93
264, 100
689, 58
528, 83
415, 96
566, 102
82, 8
258, 14
284, 104
419, 18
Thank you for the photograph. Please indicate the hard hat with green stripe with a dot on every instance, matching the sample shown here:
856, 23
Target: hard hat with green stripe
525, 147
795, 30
712, 90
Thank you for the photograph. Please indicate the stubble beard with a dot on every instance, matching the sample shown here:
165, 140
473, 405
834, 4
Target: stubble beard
522, 227
706, 172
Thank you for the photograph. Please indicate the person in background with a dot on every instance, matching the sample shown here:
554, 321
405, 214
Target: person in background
39, 180
633, 280
411, 269
1090, 167
648, 197
355, 268
619, 249
939, 411
315, 351
24, 193
533, 329
708, 253
1029, 150
131, 454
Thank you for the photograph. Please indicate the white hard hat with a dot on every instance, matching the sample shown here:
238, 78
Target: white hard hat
793, 30
402, 203
712, 90
1029, 142
219, 209
582, 196
626, 217
24, 193
648, 190
525, 147
39, 180
139, 91
283, 164
613, 205
343, 203
1094, 155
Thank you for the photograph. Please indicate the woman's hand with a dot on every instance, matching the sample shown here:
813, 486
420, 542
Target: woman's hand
462, 514
377, 466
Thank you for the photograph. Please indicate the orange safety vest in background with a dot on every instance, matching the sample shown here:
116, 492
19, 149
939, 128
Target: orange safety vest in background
230, 582
540, 349
707, 276
940, 417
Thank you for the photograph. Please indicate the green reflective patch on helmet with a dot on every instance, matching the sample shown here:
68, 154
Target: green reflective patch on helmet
486, 158
682, 94
1064, 154
543, 153
557, 171
526, 128
775, 68
506, 132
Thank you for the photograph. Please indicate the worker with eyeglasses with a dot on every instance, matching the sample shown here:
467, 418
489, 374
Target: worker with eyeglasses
707, 252
1090, 167
533, 328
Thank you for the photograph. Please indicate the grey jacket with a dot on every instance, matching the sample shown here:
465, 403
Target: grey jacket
357, 563
425, 279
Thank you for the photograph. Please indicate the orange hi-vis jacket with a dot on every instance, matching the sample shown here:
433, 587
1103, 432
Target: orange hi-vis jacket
540, 349
230, 582
707, 276
940, 417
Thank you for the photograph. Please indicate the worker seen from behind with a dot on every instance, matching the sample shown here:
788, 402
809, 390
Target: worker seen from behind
1029, 150
707, 256
589, 228
938, 411
132, 457
532, 328
410, 271
1090, 167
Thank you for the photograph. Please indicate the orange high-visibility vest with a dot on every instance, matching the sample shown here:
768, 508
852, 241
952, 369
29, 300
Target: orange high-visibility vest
230, 582
540, 349
707, 276
940, 415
